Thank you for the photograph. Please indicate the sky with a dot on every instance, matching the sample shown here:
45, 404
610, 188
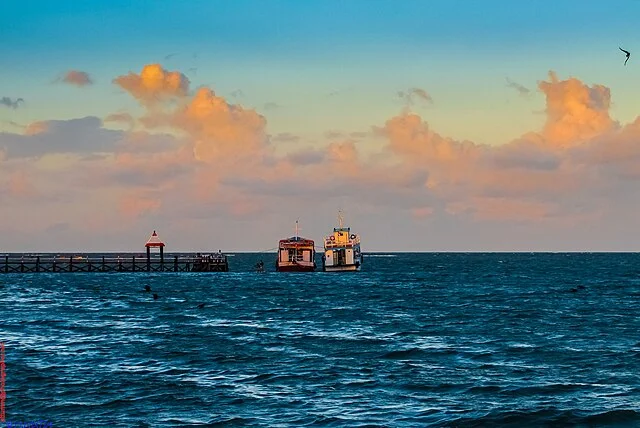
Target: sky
433, 125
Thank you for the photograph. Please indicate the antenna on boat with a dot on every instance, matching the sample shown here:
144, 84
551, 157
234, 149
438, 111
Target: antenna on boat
340, 218
295, 249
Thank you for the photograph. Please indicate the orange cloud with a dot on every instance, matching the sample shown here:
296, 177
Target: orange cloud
217, 139
217, 129
220, 129
575, 111
154, 84
529, 177
410, 137
36, 128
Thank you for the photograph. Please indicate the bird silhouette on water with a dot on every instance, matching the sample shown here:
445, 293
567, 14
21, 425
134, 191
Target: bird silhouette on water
201, 306
155, 296
147, 288
627, 53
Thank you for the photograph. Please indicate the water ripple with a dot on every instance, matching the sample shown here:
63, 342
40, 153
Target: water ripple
413, 340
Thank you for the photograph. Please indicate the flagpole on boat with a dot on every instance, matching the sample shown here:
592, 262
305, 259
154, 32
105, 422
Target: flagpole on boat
296, 247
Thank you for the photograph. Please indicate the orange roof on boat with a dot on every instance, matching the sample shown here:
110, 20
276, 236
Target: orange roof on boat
297, 240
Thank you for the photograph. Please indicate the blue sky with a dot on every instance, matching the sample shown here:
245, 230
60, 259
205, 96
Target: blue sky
291, 52
286, 29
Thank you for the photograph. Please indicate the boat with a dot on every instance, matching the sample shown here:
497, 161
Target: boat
341, 250
296, 254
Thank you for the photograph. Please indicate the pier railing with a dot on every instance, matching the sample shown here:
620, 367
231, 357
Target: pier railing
36, 264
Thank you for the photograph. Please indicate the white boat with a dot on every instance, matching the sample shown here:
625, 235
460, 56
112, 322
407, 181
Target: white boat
341, 250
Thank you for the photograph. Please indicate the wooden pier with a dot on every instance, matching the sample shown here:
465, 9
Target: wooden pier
34, 263
72, 264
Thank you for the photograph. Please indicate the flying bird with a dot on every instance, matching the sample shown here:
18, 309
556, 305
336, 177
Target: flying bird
627, 53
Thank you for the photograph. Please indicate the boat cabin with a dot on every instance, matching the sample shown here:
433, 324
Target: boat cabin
296, 254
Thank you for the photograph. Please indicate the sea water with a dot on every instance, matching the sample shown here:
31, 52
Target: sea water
411, 340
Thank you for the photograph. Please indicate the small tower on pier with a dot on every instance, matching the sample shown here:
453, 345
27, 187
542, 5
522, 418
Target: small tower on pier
154, 242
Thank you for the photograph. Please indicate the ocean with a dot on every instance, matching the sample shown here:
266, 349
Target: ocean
427, 339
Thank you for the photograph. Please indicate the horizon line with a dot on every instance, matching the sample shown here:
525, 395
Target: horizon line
274, 251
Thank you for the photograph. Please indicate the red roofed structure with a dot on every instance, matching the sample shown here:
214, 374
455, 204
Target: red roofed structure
154, 241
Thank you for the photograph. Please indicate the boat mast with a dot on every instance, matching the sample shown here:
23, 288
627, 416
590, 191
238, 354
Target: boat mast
295, 257
340, 218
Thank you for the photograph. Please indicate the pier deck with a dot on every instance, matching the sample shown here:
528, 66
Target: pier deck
112, 263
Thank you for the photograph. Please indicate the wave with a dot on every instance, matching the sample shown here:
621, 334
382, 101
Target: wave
550, 417
405, 354
414, 341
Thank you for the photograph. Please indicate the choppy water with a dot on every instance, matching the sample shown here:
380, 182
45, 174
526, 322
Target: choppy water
412, 340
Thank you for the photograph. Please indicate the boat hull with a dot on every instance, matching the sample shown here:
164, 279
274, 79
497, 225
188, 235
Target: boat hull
295, 268
344, 268
341, 258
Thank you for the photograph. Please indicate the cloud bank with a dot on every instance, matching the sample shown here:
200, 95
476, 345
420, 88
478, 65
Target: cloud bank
192, 161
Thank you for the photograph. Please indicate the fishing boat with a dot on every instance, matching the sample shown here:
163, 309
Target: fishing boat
296, 254
341, 250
